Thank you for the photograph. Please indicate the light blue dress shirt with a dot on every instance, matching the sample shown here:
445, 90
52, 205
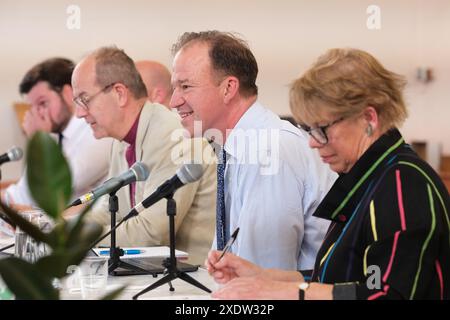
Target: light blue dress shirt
273, 184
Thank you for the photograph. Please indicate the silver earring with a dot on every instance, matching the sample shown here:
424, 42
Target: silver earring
369, 130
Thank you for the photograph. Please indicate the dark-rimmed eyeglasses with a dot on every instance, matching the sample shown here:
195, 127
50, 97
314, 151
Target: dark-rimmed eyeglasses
84, 100
319, 133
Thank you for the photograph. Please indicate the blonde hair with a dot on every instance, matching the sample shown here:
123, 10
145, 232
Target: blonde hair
343, 82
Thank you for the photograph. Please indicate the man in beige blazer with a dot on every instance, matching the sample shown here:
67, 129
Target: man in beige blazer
112, 98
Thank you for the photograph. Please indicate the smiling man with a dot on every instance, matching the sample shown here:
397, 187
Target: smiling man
269, 181
48, 90
111, 97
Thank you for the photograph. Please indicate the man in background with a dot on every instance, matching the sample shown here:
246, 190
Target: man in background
47, 88
156, 78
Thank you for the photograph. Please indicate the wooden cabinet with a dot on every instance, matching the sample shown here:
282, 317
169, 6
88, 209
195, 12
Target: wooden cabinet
20, 108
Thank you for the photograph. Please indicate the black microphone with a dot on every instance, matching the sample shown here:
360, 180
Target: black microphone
13, 154
138, 172
186, 174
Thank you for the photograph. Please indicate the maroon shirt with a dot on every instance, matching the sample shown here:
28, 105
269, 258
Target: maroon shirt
130, 154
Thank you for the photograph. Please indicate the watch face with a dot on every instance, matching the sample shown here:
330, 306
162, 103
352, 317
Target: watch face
303, 286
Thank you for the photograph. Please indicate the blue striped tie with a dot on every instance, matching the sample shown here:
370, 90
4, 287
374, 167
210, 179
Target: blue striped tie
220, 212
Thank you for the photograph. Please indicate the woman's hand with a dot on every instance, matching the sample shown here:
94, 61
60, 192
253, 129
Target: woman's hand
262, 288
229, 267
258, 287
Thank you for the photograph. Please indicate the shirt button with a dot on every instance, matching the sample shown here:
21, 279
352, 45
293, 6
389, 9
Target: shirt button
342, 218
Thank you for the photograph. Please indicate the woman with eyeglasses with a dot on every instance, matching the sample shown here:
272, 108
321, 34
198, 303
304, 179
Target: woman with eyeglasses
389, 234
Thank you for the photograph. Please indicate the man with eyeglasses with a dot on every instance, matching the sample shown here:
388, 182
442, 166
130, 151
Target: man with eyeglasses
48, 90
112, 98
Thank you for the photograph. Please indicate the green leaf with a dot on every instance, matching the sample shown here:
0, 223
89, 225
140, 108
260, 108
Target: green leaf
48, 174
26, 226
56, 264
73, 252
56, 238
75, 225
86, 235
21, 278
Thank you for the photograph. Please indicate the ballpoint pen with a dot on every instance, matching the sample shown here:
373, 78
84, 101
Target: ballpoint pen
131, 251
229, 243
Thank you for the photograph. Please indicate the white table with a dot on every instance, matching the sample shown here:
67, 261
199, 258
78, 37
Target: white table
134, 284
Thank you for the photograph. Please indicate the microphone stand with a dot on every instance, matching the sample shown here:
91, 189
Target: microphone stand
171, 262
116, 252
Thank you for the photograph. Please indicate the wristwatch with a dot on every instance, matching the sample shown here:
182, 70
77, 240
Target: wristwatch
302, 287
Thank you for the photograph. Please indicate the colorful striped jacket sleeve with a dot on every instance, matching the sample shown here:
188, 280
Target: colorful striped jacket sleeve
406, 228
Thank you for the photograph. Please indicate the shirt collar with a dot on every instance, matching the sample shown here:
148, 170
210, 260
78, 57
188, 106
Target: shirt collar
340, 201
73, 127
252, 119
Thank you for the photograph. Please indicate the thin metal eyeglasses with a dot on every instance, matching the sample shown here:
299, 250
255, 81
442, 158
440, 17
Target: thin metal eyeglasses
83, 100
319, 133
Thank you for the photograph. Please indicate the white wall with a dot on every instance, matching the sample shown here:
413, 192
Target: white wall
286, 36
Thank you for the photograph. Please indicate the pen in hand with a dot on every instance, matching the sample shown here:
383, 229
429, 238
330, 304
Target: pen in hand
229, 243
